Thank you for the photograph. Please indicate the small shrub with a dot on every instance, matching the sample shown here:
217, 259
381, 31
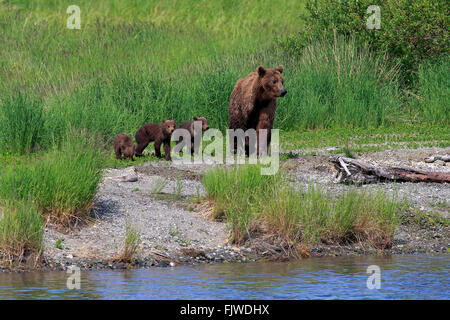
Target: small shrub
178, 189
411, 31
348, 153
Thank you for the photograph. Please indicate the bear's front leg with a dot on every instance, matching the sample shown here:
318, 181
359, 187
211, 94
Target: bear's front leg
194, 148
158, 149
118, 153
167, 150
263, 124
261, 143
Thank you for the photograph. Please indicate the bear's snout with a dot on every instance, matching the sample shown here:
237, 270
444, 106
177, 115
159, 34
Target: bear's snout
283, 93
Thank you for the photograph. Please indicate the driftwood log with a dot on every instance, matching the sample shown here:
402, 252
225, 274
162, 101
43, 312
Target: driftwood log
351, 170
445, 158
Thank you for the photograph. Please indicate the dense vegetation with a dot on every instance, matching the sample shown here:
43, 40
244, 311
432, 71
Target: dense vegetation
140, 61
410, 31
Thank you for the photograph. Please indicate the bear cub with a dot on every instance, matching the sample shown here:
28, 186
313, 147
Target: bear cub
123, 145
189, 125
159, 133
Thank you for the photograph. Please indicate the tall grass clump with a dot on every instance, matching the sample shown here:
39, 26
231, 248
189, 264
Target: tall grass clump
338, 85
131, 245
237, 194
22, 124
431, 104
360, 215
310, 216
61, 182
21, 231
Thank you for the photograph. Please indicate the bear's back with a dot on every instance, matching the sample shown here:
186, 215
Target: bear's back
185, 125
151, 130
122, 139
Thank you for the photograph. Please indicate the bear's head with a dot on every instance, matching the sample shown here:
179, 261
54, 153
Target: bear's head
168, 126
204, 123
129, 151
272, 82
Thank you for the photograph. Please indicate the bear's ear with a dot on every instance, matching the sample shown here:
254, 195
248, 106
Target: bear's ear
164, 120
261, 71
195, 118
280, 69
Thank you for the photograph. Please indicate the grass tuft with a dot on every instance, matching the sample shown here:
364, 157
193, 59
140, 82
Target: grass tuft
21, 232
62, 182
131, 246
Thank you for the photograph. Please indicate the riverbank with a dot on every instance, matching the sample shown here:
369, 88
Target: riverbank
166, 205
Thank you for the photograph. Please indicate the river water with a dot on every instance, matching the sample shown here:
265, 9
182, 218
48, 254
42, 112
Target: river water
401, 277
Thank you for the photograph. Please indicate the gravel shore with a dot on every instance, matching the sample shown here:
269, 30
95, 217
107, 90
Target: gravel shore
426, 196
169, 231
174, 229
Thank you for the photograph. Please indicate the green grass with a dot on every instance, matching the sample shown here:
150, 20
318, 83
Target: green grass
22, 124
21, 231
61, 182
431, 103
131, 245
338, 85
112, 162
58, 244
366, 139
248, 200
181, 59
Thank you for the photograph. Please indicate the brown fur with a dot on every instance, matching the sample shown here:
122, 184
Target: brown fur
189, 125
253, 101
123, 145
159, 133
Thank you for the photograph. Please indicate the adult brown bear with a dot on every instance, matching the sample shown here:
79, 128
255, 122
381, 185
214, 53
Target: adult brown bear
253, 102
